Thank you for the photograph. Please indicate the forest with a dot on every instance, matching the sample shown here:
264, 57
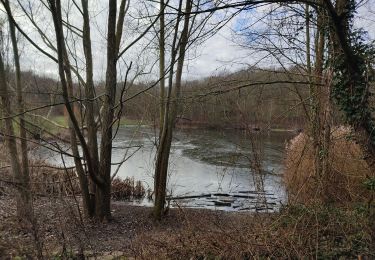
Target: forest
187, 129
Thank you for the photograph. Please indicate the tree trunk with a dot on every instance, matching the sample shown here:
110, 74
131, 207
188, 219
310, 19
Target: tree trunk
326, 140
92, 141
161, 168
315, 114
323, 130
67, 85
23, 197
162, 63
88, 206
103, 196
162, 84
354, 94
26, 201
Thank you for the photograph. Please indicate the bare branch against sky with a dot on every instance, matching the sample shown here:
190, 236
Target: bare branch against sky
217, 54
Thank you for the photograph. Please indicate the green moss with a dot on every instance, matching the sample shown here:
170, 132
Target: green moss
132, 122
54, 124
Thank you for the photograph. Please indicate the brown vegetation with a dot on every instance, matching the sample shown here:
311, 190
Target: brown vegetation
329, 172
47, 180
294, 233
345, 183
127, 189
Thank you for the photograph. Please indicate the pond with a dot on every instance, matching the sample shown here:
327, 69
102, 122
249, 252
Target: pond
208, 168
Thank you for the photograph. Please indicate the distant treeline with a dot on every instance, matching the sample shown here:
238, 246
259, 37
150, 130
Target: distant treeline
247, 98
238, 100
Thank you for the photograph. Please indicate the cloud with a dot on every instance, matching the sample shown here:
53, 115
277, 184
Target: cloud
365, 18
219, 53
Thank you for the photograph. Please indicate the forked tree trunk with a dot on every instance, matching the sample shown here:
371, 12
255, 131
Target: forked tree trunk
92, 141
99, 169
66, 83
163, 152
83, 180
103, 195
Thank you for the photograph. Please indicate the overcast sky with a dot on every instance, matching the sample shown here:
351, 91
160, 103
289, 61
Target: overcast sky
217, 54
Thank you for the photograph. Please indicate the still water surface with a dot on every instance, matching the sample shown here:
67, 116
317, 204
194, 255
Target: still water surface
203, 162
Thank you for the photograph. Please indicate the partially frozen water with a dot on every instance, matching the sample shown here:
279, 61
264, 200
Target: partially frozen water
214, 164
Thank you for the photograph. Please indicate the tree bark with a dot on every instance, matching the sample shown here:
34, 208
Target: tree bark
363, 123
315, 115
26, 201
162, 63
92, 141
103, 196
23, 197
162, 83
83, 180
67, 85
161, 168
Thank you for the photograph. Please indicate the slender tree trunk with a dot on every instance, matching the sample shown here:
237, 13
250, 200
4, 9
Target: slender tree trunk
23, 197
315, 114
323, 129
26, 200
103, 196
162, 154
92, 141
83, 180
162, 63
326, 139
120, 22
162, 83
67, 85
161, 168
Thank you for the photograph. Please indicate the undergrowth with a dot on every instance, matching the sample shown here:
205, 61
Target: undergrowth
296, 232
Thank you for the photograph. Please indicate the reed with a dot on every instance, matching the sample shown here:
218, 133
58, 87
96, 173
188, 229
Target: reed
348, 170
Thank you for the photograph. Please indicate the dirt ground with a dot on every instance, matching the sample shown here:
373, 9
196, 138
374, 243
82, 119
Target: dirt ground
131, 233
297, 232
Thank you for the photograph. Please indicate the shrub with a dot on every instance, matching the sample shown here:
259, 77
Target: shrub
347, 176
127, 189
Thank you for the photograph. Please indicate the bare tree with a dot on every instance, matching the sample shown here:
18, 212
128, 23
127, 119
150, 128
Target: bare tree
104, 195
19, 168
171, 108
92, 141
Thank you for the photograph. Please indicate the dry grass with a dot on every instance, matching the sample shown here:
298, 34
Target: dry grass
314, 231
297, 232
127, 188
347, 176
